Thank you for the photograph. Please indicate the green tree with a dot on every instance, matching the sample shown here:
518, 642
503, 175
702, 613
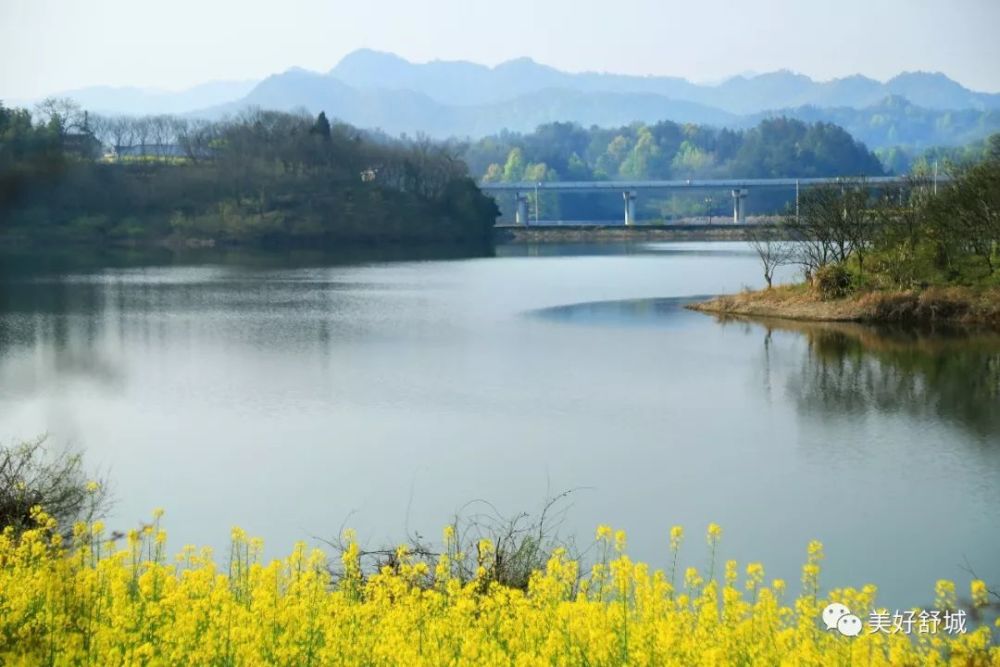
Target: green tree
968, 211
538, 173
645, 159
494, 174
321, 127
262, 177
513, 169
609, 163
577, 169
993, 147
690, 161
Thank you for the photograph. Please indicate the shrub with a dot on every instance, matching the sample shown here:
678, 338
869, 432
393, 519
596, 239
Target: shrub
31, 475
518, 545
833, 281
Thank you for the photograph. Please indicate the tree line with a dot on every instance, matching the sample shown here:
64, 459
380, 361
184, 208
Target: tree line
775, 148
258, 177
778, 147
903, 160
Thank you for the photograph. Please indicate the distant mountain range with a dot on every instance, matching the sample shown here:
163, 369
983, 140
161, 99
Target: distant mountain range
398, 110
463, 83
139, 101
380, 90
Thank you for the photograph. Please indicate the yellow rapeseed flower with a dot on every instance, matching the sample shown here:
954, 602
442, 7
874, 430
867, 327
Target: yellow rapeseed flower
676, 537
71, 605
980, 594
714, 532
944, 594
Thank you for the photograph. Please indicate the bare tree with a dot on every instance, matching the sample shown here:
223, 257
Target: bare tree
62, 113
195, 139
101, 127
123, 134
165, 132
772, 248
808, 227
141, 132
857, 220
834, 223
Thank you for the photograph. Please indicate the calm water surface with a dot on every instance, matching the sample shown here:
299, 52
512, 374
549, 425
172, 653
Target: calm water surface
291, 394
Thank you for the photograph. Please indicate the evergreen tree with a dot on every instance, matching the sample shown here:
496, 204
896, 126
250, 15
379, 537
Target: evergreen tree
322, 126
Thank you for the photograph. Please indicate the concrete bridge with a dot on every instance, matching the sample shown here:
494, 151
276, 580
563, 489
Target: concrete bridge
739, 189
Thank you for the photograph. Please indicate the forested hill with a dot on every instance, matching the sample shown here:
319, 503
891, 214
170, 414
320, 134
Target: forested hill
263, 177
776, 147
271, 177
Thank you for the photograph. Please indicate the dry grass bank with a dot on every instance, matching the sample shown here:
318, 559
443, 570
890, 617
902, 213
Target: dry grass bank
934, 305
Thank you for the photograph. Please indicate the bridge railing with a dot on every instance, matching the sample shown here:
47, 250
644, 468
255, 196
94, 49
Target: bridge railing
739, 188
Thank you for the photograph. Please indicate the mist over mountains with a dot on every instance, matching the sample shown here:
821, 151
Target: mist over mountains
134, 101
462, 99
463, 83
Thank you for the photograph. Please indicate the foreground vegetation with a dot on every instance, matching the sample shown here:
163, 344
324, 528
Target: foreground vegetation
497, 591
32, 474
94, 601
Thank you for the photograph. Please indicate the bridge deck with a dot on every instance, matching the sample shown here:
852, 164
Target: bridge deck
715, 184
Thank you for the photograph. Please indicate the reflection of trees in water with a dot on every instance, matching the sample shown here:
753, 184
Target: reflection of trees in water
67, 313
16, 265
63, 321
851, 369
71, 314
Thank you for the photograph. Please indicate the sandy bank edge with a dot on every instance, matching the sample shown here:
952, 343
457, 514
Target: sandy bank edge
952, 305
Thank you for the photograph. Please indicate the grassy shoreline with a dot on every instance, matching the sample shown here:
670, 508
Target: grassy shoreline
963, 306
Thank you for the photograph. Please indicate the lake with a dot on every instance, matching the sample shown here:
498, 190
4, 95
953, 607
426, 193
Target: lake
296, 393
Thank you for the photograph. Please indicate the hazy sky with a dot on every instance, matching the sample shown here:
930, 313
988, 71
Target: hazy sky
53, 45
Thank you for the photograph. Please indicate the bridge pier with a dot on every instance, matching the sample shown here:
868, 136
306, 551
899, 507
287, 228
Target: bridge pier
523, 190
521, 216
796, 200
629, 197
739, 206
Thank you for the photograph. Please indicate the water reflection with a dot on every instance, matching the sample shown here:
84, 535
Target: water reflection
18, 263
79, 308
847, 369
946, 374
